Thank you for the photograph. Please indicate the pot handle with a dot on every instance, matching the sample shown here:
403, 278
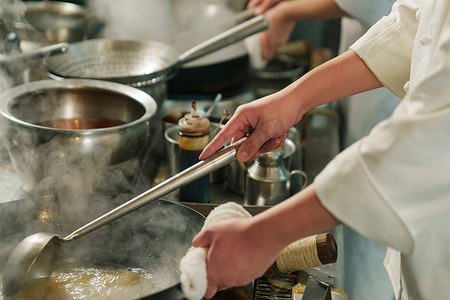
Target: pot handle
297, 181
229, 37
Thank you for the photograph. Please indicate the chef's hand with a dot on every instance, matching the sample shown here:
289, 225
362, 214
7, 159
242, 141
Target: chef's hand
237, 254
262, 5
265, 121
281, 26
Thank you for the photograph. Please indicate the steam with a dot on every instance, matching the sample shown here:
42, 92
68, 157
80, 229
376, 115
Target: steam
180, 24
73, 188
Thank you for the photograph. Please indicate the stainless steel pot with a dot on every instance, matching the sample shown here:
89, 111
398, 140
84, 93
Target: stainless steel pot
54, 22
34, 144
173, 154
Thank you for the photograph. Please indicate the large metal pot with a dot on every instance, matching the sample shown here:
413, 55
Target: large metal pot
153, 238
39, 150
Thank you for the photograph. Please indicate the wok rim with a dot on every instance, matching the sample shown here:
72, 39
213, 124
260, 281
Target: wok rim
136, 80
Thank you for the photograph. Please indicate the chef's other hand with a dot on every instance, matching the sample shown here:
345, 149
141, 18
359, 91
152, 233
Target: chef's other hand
263, 5
237, 254
281, 26
265, 121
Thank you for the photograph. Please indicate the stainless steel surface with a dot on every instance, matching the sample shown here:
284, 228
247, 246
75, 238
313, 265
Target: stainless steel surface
54, 22
31, 145
41, 246
292, 152
213, 105
317, 290
24, 264
138, 62
268, 181
173, 155
10, 60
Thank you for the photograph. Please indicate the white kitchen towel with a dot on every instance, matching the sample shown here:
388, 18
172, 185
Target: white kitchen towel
193, 264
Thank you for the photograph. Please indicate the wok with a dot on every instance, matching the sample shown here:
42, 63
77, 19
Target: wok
139, 63
153, 238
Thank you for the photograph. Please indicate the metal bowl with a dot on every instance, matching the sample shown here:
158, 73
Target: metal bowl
40, 120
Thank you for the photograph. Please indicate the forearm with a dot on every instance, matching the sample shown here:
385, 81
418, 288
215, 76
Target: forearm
338, 78
299, 216
311, 9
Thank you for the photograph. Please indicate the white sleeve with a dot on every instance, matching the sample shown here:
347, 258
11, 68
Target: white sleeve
386, 48
359, 186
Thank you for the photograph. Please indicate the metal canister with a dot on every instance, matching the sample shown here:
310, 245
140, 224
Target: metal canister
268, 181
192, 139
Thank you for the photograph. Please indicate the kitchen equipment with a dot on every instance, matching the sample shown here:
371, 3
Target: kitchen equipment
213, 105
9, 60
153, 238
54, 22
268, 182
140, 63
237, 171
33, 142
278, 73
34, 257
173, 155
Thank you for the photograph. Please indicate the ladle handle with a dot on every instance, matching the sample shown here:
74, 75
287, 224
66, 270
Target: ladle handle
33, 54
224, 39
200, 169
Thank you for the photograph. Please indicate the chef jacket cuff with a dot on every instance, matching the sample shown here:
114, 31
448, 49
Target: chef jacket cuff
386, 51
346, 189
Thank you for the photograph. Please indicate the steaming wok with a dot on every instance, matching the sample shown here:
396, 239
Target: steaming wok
153, 238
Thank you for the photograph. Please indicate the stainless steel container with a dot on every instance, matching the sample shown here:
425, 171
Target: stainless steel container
268, 181
173, 155
34, 144
54, 22
292, 154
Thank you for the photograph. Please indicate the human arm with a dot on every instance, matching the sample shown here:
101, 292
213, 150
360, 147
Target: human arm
282, 16
254, 243
268, 119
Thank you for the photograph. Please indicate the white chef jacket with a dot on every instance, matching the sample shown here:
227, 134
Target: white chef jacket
393, 186
365, 276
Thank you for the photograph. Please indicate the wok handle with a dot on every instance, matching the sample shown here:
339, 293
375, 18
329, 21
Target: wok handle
308, 252
200, 169
229, 37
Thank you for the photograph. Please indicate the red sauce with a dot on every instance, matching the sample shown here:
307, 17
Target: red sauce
82, 123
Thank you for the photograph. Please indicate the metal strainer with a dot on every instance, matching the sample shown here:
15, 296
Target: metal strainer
139, 62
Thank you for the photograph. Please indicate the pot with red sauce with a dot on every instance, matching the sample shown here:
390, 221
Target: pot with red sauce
53, 127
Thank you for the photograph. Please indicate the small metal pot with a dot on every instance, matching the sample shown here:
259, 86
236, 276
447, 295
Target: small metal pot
33, 142
268, 181
237, 171
54, 22
173, 155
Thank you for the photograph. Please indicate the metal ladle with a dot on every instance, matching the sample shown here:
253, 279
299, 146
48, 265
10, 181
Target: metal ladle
36, 256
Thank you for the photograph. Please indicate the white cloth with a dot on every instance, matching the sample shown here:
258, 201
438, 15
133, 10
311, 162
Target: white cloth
193, 264
392, 186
